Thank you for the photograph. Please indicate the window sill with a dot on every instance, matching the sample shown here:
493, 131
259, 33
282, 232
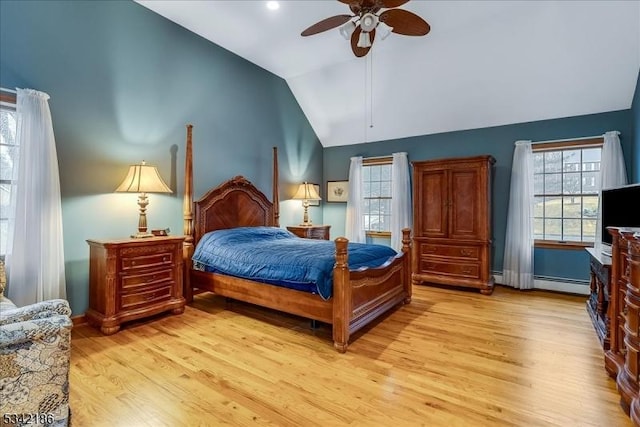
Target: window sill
378, 233
551, 244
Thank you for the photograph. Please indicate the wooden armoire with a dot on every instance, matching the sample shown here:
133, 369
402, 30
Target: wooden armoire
452, 222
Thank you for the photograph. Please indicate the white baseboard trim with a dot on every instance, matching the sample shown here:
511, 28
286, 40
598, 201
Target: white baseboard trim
558, 285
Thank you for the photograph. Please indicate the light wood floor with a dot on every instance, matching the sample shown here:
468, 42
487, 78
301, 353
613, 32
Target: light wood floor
450, 358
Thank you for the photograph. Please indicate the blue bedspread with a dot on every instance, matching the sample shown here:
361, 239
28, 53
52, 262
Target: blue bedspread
277, 256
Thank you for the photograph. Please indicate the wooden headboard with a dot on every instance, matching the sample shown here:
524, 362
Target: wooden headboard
234, 203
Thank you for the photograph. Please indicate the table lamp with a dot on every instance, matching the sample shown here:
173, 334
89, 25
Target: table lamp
305, 193
143, 179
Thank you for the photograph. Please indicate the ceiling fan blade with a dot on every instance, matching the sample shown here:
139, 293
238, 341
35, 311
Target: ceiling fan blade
354, 5
405, 22
355, 36
326, 24
388, 4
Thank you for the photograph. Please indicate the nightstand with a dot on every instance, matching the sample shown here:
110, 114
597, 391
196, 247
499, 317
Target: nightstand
320, 232
132, 279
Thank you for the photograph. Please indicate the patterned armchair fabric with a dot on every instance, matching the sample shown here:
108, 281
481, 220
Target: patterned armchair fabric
34, 363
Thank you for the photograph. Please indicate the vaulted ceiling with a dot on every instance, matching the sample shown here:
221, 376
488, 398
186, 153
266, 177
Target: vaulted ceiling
484, 63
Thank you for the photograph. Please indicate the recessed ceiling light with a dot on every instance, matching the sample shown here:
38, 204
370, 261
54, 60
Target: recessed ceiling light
273, 5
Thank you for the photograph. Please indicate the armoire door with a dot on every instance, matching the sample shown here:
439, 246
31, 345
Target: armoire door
464, 201
432, 217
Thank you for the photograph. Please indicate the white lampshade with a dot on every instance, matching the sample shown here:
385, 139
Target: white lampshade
143, 178
307, 191
347, 29
364, 41
383, 30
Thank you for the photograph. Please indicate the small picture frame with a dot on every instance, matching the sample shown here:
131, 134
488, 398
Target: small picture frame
337, 191
315, 202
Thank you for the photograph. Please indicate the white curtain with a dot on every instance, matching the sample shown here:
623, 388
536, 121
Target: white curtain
354, 228
613, 172
401, 198
518, 248
35, 258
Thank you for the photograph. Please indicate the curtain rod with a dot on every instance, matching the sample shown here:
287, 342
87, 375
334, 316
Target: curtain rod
3, 89
568, 139
382, 157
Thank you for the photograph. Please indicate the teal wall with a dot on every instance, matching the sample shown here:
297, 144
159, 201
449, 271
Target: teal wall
499, 142
635, 117
124, 82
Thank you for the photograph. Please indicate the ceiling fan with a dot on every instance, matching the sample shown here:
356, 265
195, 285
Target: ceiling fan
361, 27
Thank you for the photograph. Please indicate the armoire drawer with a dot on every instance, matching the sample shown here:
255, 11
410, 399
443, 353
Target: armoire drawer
457, 251
470, 270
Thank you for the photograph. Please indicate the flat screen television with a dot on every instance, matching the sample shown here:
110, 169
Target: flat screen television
620, 209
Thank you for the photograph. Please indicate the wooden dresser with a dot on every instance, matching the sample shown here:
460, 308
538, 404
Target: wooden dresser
622, 360
133, 278
452, 222
320, 232
599, 294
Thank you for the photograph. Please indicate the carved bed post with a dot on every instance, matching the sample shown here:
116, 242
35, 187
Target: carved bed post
341, 297
276, 199
187, 213
406, 269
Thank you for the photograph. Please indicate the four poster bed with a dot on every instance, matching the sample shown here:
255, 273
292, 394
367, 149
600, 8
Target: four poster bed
358, 296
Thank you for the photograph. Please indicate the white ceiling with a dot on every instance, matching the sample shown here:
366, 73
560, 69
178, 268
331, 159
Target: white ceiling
484, 63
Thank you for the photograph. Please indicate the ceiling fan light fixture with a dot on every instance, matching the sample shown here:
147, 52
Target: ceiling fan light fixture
383, 30
368, 19
364, 41
368, 22
347, 29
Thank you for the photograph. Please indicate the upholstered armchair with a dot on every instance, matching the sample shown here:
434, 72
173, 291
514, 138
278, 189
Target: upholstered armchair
34, 362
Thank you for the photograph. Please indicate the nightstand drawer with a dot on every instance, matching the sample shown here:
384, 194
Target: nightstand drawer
145, 261
319, 232
141, 299
146, 280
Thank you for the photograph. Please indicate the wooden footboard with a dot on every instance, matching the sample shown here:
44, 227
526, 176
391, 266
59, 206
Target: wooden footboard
361, 296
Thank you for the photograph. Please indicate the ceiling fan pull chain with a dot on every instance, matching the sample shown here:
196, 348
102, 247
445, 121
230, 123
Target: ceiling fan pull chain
364, 97
370, 59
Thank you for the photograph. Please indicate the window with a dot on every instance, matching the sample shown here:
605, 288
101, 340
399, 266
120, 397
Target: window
376, 189
8, 151
566, 183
